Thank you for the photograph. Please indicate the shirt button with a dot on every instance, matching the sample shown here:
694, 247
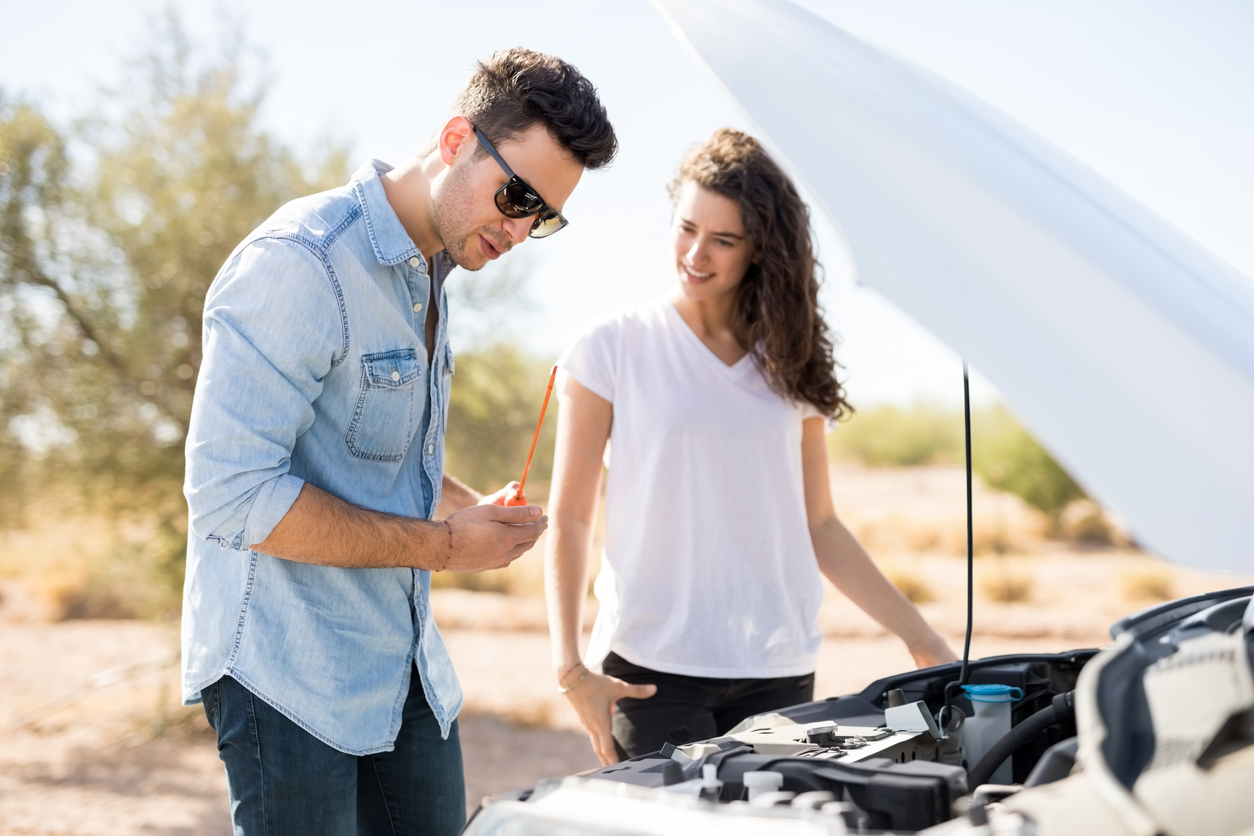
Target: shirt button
396, 375
417, 307
413, 261
430, 449
222, 544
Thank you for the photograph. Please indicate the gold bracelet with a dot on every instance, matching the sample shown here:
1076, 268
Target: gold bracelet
574, 684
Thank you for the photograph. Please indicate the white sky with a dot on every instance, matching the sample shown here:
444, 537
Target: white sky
1154, 94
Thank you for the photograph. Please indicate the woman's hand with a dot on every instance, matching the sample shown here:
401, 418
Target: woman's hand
500, 496
593, 699
932, 651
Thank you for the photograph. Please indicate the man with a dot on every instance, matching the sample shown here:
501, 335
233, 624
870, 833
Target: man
315, 465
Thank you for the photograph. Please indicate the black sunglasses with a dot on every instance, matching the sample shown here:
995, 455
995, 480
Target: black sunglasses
516, 199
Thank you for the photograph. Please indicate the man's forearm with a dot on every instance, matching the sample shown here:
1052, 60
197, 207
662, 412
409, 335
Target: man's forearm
322, 529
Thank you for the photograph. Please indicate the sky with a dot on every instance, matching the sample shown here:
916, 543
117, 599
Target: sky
1152, 94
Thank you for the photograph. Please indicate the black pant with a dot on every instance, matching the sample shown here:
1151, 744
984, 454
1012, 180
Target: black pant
690, 708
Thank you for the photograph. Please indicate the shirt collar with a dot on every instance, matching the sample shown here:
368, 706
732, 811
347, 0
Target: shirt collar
391, 242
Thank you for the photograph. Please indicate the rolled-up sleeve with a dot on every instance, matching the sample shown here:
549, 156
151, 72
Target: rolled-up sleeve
273, 328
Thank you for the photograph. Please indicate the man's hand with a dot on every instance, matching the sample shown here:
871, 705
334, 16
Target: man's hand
593, 700
490, 537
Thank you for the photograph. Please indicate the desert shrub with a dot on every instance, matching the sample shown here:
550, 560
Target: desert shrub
1003, 582
498, 580
1147, 583
889, 435
1084, 522
909, 583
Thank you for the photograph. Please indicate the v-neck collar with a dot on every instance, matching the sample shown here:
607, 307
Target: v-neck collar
735, 369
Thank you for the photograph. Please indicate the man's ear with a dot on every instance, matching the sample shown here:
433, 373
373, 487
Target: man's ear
455, 139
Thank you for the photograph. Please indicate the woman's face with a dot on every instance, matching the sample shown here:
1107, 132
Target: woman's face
712, 252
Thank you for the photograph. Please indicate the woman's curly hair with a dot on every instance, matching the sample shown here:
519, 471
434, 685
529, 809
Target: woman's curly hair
777, 317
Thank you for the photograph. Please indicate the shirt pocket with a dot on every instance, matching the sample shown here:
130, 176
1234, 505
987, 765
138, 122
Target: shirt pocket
383, 422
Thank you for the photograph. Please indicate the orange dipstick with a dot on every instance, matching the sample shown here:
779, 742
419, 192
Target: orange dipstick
518, 498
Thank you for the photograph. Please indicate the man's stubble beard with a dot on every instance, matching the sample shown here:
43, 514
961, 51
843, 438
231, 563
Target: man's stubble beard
449, 212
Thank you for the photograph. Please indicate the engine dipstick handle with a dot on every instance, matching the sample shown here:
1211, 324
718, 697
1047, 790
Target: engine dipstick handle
517, 498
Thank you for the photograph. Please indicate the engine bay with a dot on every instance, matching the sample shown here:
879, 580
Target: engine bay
1090, 742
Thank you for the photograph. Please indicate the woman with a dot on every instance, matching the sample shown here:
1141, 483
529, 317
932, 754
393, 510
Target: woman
719, 515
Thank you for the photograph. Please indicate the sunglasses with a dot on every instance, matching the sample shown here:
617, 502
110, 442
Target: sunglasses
516, 199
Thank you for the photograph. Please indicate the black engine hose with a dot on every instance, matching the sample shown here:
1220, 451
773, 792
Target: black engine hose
1059, 711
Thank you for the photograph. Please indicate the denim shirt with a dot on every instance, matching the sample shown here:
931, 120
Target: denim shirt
315, 370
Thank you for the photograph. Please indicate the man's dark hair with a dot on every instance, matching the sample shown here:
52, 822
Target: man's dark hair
516, 88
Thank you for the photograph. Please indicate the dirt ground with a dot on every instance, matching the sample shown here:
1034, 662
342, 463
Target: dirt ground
93, 741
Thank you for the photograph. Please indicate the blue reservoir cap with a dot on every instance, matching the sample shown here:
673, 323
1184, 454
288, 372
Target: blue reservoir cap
992, 693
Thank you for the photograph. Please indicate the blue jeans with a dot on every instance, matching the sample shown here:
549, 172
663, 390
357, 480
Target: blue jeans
283, 780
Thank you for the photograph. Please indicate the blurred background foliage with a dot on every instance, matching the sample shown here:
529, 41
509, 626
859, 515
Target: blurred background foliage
496, 397
111, 230
498, 387
1003, 453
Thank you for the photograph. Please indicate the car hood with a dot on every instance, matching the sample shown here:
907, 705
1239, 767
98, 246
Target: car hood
1124, 345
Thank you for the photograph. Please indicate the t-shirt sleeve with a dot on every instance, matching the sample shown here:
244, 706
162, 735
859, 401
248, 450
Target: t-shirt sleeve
809, 410
592, 359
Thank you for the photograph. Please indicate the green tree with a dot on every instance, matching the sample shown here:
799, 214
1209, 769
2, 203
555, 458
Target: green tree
104, 269
1008, 458
34, 203
888, 435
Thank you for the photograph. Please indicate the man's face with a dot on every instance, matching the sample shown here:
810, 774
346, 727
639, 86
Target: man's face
471, 228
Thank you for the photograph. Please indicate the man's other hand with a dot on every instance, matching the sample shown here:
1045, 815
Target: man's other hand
487, 536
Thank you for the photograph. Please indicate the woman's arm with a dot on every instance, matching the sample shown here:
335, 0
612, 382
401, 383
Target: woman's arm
583, 428
455, 496
847, 565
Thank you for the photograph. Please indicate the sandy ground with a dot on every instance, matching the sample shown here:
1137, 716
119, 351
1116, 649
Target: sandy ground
93, 741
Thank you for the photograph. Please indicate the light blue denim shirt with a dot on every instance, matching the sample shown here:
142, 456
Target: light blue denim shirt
315, 370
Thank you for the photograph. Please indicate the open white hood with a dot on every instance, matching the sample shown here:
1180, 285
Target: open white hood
1126, 347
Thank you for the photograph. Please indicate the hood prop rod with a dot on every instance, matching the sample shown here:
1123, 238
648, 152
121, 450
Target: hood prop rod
953, 687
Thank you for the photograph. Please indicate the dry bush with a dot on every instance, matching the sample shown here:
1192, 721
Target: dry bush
924, 538
909, 582
497, 581
94, 600
1084, 522
1147, 583
1005, 583
83, 565
992, 535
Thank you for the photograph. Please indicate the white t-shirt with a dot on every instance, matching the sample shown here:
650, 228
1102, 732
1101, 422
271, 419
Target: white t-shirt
708, 568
